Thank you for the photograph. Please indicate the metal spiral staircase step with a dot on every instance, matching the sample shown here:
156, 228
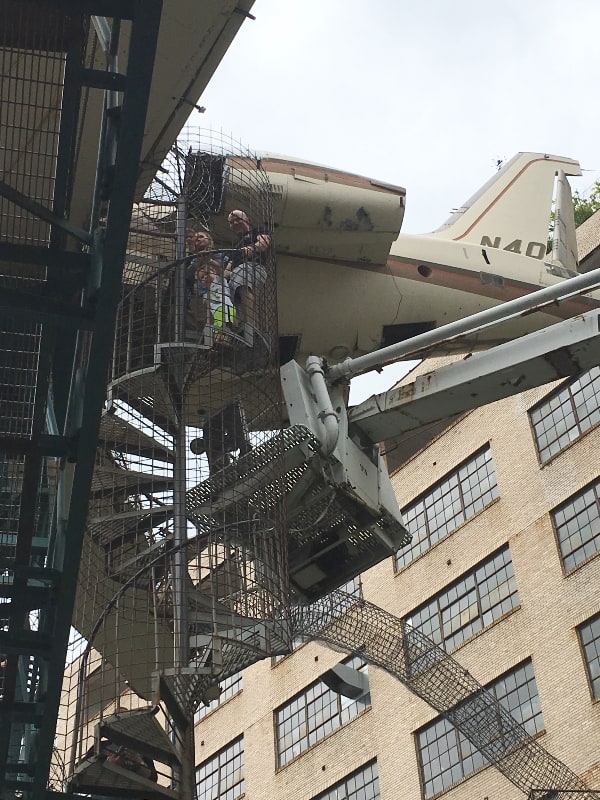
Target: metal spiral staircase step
100, 777
108, 479
116, 431
126, 525
152, 636
209, 387
149, 386
182, 690
140, 731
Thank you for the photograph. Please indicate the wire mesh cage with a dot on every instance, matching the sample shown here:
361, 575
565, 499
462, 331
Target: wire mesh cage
183, 580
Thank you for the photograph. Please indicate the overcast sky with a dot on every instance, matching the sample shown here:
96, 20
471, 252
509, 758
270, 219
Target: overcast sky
427, 95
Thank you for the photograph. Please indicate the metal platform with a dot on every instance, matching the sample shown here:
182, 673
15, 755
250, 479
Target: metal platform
332, 537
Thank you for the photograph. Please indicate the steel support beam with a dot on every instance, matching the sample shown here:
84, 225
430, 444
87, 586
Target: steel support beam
72, 311
94, 366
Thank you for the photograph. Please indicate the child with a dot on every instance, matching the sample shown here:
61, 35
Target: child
222, 311
196, 242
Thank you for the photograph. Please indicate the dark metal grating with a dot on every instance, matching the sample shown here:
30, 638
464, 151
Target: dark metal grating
50, 361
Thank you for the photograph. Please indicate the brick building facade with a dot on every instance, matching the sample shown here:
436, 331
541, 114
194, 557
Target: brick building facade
503, 571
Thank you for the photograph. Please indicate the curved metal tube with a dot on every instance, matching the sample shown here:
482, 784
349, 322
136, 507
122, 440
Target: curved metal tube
330, 420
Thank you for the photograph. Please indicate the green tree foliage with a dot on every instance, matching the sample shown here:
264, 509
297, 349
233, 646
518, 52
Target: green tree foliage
584, 206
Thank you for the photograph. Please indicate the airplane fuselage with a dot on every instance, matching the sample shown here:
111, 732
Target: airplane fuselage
348, 283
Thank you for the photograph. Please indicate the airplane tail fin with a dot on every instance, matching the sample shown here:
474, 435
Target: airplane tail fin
512, 210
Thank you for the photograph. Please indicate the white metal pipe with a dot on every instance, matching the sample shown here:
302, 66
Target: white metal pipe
535, 301
180, 270
180, 565
327, 415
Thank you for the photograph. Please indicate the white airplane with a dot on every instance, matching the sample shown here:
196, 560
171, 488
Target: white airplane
348, 284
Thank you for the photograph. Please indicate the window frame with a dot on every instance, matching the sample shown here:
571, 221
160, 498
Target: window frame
570, 395
305, 714
462, 488
572, 500
582, 646
465, 585
343, 783
460, 740
239, 740
228, 691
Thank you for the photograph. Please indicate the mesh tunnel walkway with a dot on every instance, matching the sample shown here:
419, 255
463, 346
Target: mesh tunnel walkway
386, 641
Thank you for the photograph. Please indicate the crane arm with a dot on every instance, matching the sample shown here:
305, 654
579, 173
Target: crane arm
563, 350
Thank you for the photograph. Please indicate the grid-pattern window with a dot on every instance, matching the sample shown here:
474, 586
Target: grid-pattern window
589, 636
230, 686
451, 501
566, 414
313, 714
363, 784
353, 586
577, 526
469, 604
222, 776
446, 756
